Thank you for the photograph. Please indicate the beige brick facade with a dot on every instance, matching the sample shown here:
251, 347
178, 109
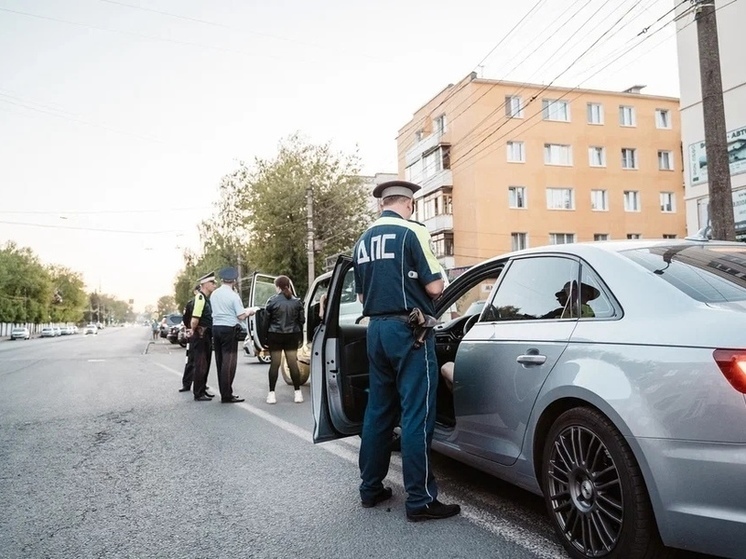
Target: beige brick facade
458, 146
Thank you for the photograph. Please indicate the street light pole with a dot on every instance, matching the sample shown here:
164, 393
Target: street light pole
309, 233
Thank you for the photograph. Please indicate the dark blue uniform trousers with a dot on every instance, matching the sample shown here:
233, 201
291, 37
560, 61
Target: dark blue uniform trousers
404, 379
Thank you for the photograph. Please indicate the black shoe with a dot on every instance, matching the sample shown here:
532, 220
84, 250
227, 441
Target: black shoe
383, 495
433, 511
209, 394
185, 388
233, 400
202, 398
395, 443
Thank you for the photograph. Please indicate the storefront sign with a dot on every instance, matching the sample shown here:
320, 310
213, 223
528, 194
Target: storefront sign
736, 156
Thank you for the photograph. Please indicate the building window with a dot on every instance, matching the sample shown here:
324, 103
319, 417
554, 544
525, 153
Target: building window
513, 107
631, 201
600, 236
554, 109
517, 196
557, 154
595, 113
668, 202
669, 236
561, 238
518, 241
439, 124
439, 204
627, 116
629, 158
560, 199
599, 200
665, 160
419, 135
516, 152
597, 156
634, 236
662, 118
443, 245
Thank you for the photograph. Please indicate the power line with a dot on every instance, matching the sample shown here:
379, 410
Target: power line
233, 28
464, 158
91, 228
99, 212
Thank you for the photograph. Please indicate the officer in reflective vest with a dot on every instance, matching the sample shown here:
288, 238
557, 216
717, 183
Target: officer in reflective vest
396, 272
200, 336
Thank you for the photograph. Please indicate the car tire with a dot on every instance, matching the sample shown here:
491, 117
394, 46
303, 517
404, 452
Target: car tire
594, 491
264, 358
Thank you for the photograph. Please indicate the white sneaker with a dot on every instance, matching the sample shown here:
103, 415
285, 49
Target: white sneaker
271, 398
298, 397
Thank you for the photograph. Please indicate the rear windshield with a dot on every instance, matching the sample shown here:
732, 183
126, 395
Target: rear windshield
708, 273
174, 318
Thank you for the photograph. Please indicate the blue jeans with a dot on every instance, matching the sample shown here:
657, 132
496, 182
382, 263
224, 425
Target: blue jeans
403, 380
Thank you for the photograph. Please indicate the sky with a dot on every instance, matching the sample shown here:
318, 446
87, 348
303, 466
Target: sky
118, 118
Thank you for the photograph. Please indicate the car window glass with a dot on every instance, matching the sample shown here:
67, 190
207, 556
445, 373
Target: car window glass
707, 273
537, 288
350, 309
474, 299
594, 302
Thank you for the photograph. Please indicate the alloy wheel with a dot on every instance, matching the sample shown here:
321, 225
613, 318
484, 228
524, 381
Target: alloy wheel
585, 491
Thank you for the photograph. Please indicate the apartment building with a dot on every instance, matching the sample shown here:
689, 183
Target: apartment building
506, 166
730, 19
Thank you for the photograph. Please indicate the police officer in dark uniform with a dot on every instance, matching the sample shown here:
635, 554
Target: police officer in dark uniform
200, 336
396, 272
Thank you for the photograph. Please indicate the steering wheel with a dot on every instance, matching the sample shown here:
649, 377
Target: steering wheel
468, 323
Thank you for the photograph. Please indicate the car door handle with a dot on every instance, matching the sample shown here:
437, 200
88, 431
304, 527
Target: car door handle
531, 359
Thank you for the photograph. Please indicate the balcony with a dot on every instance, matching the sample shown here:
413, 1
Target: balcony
441, 179
448, 262
426, 144
439, 223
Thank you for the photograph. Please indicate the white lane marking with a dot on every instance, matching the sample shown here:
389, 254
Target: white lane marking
96, 360
542, 547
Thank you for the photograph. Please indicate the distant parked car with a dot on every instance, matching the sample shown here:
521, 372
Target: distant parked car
167, 326
90, 329
47, 332
20, 333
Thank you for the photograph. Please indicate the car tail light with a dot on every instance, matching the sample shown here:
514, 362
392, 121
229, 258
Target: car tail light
732, 363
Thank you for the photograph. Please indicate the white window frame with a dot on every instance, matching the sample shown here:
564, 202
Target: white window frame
565, 238
632, 201
517, 197
560, 198
594, 151
603, 202
669, 236
556, 110
595, 108
600, 236
518, 241
663, 119
665, 160
514, 146
440, 124
513, 106
634, 236
558, 154
625, 160
668, 202
627, 116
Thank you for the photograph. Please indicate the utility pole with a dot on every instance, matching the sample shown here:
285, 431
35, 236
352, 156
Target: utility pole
716, 141
309, 233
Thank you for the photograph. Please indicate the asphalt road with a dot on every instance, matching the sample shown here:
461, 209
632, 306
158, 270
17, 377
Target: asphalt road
101, 456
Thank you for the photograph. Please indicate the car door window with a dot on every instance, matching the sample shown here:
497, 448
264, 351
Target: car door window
537, 288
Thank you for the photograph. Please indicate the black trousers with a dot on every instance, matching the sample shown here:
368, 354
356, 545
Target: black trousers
188, 376
226, 356
201, 349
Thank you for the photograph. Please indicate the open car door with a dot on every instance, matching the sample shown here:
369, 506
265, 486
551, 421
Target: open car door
339, 361
262, 288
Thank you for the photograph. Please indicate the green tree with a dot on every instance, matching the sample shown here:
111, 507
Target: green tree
166, 305
26, 290
69, 298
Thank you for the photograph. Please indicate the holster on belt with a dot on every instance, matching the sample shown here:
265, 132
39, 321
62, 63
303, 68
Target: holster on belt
421, 325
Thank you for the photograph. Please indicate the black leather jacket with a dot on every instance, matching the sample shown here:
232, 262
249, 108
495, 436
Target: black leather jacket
286, 316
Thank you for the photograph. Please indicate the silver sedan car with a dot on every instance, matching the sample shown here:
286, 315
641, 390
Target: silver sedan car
608, 377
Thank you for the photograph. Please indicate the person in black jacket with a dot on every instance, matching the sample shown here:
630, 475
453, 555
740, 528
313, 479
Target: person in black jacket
285, 316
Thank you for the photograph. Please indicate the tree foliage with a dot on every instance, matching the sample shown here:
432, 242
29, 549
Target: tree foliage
166, 305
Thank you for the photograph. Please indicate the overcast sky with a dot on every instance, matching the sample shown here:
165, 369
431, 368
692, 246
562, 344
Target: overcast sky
118, 118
